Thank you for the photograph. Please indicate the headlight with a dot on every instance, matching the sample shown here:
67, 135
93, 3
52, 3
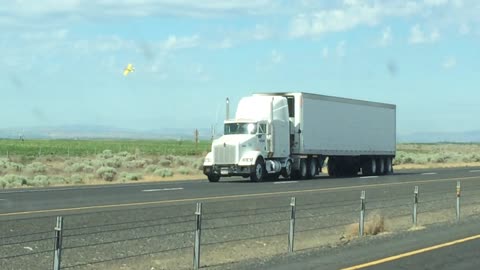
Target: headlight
207, 160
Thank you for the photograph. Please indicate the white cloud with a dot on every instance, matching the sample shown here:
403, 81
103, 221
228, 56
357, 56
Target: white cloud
174, 43
276, 57
435, 3
386, 38
350, 14
418, 36
78, 9
449, 63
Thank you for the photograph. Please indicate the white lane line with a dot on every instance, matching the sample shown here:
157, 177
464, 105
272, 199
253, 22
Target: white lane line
162, 189
473, 171
369, 177
3, 199
285, 182
429, 173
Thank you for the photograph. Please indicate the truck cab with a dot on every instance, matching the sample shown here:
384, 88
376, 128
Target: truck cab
255, 143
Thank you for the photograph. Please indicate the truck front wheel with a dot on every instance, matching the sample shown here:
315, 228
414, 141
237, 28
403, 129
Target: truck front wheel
213, 177
287, 171
259, 172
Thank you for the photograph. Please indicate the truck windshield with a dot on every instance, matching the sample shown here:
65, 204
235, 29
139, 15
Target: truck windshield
240, 128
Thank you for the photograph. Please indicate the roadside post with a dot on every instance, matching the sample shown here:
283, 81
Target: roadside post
361, 224
415, 205
58, 243
458, 201
291, 234
198, 232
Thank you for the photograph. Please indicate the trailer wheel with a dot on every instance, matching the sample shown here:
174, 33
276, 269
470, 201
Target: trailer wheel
332, 167
380, 166
213, 177
259, 172
389, 166
287, 171
369, 167
303, 169
312, 168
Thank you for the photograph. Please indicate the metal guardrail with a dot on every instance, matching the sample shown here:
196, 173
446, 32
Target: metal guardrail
200, 227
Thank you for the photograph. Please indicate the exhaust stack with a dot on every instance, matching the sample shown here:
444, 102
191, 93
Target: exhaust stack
227, 111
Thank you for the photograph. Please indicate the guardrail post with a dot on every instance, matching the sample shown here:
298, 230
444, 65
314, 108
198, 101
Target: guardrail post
415, 205
198, 232
58, 243
361, 224
291, 234
458, 201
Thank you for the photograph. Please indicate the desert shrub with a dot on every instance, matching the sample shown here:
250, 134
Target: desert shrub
441, 158
134, 164
79, 167
163, 172
165, 163
123, 154
3, 183
181, 161
132, 176
77, 179
150, 168
112, 162
15, 180
96, 163
56, 180
197, 164
107, 173
184, 170
106, 154
36, 167
40, 180
16, 167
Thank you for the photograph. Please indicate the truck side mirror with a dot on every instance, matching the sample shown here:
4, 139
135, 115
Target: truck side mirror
299, 131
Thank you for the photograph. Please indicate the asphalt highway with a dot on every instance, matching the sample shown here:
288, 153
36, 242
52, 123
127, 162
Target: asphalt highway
24, 202
241, 219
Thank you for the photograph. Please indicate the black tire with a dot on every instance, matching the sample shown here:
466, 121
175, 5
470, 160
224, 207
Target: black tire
259, 171
389, 166
332, 167
303, 171
213, 178
287, 171
312, 168
380, 166
369, 167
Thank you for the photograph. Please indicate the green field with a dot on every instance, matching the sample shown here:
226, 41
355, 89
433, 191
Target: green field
79, 148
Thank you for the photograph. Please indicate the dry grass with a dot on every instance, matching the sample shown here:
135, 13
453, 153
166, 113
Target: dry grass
374, 225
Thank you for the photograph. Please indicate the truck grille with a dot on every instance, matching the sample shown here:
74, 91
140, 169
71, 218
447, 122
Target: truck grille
225, 154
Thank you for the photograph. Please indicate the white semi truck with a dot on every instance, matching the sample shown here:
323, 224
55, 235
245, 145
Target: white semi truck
294, 134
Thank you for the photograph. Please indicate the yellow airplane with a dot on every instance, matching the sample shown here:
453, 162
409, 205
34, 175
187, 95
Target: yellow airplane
128, 69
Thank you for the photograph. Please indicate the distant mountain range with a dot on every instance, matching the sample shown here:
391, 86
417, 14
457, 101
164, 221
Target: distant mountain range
431, 137
101, 132
106, 132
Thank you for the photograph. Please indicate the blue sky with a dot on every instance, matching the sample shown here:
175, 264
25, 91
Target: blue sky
62, 60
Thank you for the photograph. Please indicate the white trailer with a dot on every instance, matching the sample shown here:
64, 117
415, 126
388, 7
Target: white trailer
293, 134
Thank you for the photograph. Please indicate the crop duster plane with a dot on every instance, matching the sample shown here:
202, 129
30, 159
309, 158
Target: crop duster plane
128, 69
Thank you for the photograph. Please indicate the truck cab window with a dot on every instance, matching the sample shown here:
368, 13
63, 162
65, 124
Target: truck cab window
291, 106
262, 128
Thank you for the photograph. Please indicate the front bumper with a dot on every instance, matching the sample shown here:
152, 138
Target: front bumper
228, 170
